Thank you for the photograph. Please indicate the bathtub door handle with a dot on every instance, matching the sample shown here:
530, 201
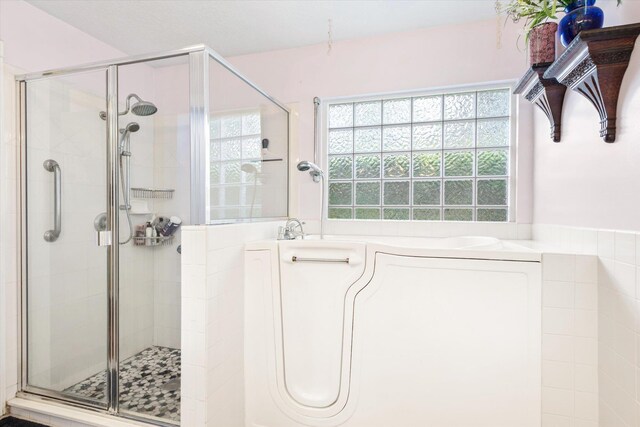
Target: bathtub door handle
342, 261
53, 166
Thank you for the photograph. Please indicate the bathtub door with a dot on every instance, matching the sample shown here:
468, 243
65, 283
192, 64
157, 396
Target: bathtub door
447, 343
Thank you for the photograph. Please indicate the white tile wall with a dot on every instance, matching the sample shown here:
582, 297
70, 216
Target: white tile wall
618, 321
569, 342
212, 321
506, 231
9, 221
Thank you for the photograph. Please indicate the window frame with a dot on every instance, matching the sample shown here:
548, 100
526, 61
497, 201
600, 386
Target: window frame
444, 90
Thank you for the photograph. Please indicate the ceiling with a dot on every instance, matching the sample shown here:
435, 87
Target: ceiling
243, 26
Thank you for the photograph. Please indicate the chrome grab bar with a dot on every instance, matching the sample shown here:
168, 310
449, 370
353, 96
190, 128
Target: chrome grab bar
297, 259
53, 166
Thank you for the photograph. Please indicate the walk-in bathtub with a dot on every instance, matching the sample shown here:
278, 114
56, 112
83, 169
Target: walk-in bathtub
386, 332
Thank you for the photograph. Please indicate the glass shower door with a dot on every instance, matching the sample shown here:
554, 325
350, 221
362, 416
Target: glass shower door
65, 161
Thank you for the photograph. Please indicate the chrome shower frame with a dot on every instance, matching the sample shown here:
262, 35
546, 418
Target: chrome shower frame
199, 57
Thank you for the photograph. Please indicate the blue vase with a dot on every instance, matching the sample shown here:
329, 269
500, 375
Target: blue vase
580, 15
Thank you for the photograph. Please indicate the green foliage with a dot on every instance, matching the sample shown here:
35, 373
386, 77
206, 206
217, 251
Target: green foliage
533, 12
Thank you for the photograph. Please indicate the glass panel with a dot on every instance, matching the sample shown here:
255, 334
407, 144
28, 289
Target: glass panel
340, 141
495, 162
396, 192
396, 111
340, 193
426, 192
458, 214
427, 109
368, 166
340, 213
397, 214
341, 115
426, 164
459, 106
458, 163
230, 126
150, 287
231, 172
459, 134
494, 215
429, 151
427, 137
367, 213
340, 167
493, 133
244, 172
368, 193
367, 140
426, 214
368, 113
396, 138
66, 279
251, 124
396, 165
231, 149
494, 103
492, 192
251, 148
458, 192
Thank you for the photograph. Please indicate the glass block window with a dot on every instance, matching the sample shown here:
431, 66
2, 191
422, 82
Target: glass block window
234, 156
443, 157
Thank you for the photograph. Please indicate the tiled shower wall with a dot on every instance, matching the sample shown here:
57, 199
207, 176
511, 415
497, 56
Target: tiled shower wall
171, 170
212, 321
618, 255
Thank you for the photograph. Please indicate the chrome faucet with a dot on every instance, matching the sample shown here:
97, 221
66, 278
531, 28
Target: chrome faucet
292, 230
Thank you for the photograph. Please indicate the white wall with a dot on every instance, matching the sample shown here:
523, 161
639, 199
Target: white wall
618, 305
583, 181
213, 321
430, 58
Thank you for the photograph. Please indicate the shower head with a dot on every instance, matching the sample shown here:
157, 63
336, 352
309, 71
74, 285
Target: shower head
248, 168
140, 108
143, 108
132, 127
315, 171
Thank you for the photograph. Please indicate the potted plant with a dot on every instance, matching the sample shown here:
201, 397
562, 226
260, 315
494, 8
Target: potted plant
540, 28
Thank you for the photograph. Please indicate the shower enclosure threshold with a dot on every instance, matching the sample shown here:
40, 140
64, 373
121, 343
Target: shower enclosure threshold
44, 410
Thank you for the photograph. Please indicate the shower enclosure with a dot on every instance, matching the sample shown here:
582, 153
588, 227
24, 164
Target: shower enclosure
114, 158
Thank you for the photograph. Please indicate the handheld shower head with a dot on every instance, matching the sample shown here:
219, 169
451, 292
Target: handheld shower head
314, 170
132, 127
249, 168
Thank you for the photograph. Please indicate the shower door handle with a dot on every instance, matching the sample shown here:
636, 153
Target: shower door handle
53, 166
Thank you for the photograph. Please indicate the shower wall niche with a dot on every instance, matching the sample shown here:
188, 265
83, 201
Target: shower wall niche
106, 150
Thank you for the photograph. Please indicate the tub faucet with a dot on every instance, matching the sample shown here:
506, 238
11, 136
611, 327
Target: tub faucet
291, 230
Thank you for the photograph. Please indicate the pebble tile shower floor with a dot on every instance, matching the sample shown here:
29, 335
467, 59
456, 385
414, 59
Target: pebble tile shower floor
142, 383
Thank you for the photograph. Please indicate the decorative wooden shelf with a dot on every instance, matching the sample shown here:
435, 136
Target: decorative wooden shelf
547, 94
594, 65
